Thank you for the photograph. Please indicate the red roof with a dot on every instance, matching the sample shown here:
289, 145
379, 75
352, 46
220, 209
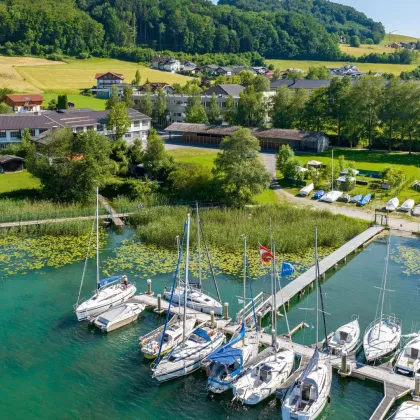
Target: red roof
117, 75
25, 98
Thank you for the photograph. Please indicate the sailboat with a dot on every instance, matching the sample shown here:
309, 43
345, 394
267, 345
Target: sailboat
383, 335
408, 410
189, 355
408, 361
307, 397
229, 361
263, 378
110, 291
196, 298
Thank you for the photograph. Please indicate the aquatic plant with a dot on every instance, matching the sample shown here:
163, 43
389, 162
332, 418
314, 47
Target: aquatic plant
409, 258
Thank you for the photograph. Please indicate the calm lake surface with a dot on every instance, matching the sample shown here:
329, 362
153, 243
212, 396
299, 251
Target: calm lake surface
53, 367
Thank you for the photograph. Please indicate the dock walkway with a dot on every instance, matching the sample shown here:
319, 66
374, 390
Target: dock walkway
116, 220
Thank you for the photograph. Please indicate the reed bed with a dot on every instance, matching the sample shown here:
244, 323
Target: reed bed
293, 228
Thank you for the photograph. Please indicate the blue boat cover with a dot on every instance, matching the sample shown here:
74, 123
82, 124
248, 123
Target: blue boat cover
365, 200
226, 354
319, 194
356, 198
287, 269
201, 333
309, 368
108, 280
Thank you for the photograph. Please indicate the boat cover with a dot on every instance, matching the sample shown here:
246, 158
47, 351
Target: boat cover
356, 198
202, 333
365, 200
319, 194
309, 368
226, 354
108, 280
287, 269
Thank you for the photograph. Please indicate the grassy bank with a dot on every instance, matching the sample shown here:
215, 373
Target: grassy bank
80, 101
18, 181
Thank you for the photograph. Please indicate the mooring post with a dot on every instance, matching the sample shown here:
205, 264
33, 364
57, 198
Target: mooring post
273, 337
212, 319
159, 303
149, 287
417, 385
259, 320
343, 369
335, 266
345, 259
226, 311
311, 286
286, 305
323, 276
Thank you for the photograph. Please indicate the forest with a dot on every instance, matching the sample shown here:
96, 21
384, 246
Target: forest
100, 27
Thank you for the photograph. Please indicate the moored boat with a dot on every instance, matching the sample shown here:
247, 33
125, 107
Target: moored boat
119, 316
318, 194
356, 198
392, 204
345, 338
416, 210
331, 196
408, 410
408, 361
365, 200
305, 191
407, 205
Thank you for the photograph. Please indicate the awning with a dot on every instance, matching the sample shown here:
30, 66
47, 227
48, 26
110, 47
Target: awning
226, 354
108, 280
314, 163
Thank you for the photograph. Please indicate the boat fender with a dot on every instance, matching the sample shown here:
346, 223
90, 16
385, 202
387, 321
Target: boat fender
329, 399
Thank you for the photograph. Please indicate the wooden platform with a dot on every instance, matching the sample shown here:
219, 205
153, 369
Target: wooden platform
392, 394
116, 220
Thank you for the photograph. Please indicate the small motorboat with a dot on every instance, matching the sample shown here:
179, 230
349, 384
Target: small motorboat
407, 205
345, 338
408, 410
365, 200
345, 198
356, 198
416, 210
408, 361
305, 191
119, 316
392, 204
331, 196
318, 194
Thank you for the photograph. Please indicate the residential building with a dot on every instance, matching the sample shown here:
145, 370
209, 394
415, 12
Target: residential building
155, 86
24, 103
225, 89
210, 69
104, 83
238, 69
40, 124
225, 71
308, 85
166, 64
270, 138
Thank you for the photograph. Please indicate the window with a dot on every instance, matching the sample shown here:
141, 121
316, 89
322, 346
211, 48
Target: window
2, 134
136, 123
4, 145
100, 127
32, 131
79, 129
15, 134
41, 130
127, 136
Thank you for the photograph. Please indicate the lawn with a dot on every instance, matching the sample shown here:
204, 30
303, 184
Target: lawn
204, 157
363, 67
389, 39
374, 161
80, 74
18, 181
80, 101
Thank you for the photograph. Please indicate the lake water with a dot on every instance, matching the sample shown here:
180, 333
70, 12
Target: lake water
53, 367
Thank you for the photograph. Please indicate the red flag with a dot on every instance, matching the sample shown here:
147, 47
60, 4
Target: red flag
266, 255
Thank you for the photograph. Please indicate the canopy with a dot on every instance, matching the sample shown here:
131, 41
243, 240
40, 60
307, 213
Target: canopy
314, 163
309, 368
108, 280
226, 354
203, 334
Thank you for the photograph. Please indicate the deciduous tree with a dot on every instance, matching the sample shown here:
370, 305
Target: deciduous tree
213, 111
118, 121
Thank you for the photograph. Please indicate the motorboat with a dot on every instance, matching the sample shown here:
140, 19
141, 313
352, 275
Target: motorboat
318, 194
262, 380
416, 210
365, 200
305, 191
119, 316
331, 196
407, 205
345, 198
345, 338
392, 204
172, 336
111, 292
307, 397
408, 361
190, 354
356, 198
408, 410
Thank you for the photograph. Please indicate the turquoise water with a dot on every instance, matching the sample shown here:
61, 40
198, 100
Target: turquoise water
53, 367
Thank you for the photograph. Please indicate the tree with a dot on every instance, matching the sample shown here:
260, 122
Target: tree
4, 92
276, 75
118, 121
135, 153
238, 168
4, 108
137, 79
318, 73
194, 112
71, 166
316, 110
247, 77
52, 104
113, 99
156, 160
369, 41
261, 83
213, 111
62, 102
280, 116
229, 115
145, 103
354, 41
295, 74
291, 169
252, 109
285, 153
127, 97
160, 107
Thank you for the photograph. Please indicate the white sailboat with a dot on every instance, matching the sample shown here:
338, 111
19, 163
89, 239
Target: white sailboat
408, 361
119, 316
196, 298
229, 361
109, 292
262, 379
307, 397
392, 204
345, 338
409, 410
416, 210
407, 205
383, 335
305, 191
189, 355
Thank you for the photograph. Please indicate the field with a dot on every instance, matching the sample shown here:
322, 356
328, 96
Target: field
80, 101
80, 74
365, 49
389, 39
363, 67
204, 157
18, 181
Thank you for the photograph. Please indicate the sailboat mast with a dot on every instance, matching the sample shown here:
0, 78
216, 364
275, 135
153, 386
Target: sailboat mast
317, 283
274, 300
244, 292
332, 170
199, 245
178, 278
385, 277
187, 256
97, 236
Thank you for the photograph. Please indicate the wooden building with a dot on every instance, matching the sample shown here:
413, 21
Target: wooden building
9, 163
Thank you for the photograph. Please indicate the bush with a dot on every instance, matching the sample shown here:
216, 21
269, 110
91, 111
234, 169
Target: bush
83, 56
354, 41
369, 41
54, 57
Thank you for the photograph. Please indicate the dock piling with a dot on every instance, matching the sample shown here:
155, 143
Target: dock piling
343, 370
149, 287
273, 337
226, 311
417, 385
259, 319
212, 319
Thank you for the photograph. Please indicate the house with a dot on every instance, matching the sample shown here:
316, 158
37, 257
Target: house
259, 69
225, 89
309, 85
225, 71
210, 69
157, 62
166, 64
12, 126
189, 70
281, 82
10, 163
270, 138
155, 86
24, 103
105, 82
238, 69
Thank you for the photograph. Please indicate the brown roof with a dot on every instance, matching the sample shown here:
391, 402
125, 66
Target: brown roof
117, 75
34, 97
226, 130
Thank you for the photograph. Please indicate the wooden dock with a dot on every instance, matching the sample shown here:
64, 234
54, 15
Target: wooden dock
116, 220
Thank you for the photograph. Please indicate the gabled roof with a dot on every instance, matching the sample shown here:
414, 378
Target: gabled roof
281, 82
8, 158
225, 89
226, 69
117, 75
34, 97
309, 84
